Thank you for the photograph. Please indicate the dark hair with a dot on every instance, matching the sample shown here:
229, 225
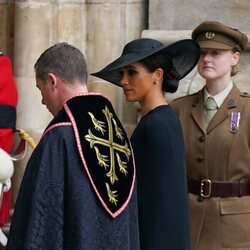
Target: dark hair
63, 60
163, 61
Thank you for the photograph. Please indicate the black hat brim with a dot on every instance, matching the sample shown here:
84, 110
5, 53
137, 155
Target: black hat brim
184, 54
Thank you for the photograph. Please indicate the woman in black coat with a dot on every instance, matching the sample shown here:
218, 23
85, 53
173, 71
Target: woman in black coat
146, 70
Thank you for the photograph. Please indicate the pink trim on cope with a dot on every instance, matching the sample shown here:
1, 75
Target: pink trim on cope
86, 167
61, 124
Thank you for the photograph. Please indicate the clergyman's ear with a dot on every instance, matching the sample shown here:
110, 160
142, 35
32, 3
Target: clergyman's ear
52, 79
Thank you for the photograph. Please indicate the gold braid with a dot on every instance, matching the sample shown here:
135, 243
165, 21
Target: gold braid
24, 135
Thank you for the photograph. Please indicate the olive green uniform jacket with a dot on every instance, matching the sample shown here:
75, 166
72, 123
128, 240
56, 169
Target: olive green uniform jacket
218, 154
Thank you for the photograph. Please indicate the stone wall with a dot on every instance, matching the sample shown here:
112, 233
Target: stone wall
186, 14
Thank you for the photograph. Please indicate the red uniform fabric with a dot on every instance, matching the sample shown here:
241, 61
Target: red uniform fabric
8, 96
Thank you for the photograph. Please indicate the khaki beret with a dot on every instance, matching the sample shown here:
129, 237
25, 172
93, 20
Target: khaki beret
214, 35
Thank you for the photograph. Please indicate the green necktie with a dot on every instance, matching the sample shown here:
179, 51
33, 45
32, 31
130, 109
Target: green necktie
211, 108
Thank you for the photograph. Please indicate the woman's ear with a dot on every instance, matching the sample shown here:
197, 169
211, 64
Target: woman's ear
158, 75
235, 58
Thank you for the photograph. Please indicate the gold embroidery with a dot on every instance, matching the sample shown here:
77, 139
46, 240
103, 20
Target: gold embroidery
98, 124
122, 165
118, 131
102, 159
112, 194
114, 149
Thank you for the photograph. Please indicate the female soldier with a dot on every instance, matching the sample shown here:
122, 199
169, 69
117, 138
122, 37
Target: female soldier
145, 70
216, 126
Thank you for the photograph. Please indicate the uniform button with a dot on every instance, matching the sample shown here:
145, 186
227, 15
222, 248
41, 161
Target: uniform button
201, 139
199, 159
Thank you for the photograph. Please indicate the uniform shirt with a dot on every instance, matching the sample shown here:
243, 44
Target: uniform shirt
220, 97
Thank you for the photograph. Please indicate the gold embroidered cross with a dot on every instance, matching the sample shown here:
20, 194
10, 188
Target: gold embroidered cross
114, 149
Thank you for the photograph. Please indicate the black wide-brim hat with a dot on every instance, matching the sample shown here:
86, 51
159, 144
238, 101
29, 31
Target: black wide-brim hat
184, 55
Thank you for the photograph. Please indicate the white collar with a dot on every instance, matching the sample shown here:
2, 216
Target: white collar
220, 97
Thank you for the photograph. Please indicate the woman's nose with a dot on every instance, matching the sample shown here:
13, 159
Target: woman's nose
205, 56
124, 80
